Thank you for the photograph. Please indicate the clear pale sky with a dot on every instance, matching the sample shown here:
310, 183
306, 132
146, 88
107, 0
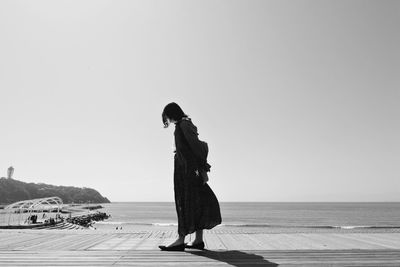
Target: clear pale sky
299, 101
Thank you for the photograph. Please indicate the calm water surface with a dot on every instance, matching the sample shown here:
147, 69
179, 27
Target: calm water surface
266, 214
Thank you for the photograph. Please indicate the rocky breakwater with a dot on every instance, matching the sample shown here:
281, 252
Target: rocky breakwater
88, 219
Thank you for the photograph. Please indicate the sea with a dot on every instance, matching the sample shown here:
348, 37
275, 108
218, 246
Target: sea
376, 215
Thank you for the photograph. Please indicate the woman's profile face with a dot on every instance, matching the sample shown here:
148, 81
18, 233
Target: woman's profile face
171, 121
168, 121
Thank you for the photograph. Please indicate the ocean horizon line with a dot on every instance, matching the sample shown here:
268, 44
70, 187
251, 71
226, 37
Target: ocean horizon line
278, 202
259, 225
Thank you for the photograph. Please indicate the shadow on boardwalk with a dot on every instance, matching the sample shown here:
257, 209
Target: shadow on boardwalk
234, 257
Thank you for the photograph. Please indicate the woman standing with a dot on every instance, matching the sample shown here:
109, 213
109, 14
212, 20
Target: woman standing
196, 205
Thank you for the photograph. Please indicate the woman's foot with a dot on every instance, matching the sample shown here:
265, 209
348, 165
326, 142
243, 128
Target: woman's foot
196, 245
178, 245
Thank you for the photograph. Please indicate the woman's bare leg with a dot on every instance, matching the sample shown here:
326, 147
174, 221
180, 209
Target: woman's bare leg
199, 236
179, 241
198, 239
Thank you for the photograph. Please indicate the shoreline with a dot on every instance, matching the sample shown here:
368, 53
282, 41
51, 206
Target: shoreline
132, 228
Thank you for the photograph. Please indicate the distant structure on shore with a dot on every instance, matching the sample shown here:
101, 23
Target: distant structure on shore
25, 213
10, 172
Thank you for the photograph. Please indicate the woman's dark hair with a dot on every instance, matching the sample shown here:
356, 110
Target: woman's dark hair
174, 112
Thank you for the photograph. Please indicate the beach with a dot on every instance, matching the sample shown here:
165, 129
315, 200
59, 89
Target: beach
253, 240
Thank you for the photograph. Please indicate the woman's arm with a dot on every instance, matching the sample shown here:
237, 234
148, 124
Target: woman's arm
190, 133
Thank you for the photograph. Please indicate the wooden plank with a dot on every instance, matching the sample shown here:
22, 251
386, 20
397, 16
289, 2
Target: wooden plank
212, 241
379, 240
204, 258
107, 244
273, 241
77, 248
22, 242
90, 241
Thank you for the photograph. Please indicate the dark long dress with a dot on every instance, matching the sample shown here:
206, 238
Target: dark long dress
196, 204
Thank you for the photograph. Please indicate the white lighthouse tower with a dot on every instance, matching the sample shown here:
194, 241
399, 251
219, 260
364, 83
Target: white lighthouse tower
10, 172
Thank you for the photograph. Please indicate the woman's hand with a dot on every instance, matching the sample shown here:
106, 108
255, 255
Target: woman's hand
203, 175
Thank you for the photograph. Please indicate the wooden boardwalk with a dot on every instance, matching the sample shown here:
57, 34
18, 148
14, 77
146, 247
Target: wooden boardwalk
100, 248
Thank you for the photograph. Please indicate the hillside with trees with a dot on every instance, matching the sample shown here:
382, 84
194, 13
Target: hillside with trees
13, 190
